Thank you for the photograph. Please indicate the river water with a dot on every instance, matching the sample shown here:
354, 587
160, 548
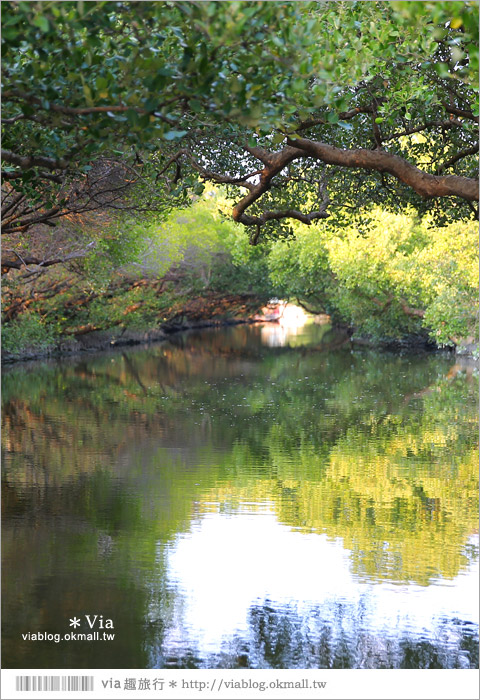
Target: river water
241, 497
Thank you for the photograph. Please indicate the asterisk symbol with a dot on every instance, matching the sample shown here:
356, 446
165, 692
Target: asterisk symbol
173, 684
74, 622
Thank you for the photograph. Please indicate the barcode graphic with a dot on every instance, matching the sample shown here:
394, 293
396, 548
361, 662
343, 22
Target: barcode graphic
29, 683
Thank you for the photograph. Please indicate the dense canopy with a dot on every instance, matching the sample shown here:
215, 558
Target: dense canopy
304, 110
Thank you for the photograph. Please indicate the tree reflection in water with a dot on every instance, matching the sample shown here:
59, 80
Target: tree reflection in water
280, 638
109, 461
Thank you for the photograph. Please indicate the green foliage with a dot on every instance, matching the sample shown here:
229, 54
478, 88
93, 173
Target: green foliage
446, 274
204, 250
115, 246
140, 273
381, 277
138, 81
29, 333
300, 269
388, 276
247, 270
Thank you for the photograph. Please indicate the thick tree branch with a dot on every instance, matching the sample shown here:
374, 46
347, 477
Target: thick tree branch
424, 184
26, 162
274, 164
409, 311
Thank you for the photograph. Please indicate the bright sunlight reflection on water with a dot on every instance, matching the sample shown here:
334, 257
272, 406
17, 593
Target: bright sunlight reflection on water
290, 325
229, 563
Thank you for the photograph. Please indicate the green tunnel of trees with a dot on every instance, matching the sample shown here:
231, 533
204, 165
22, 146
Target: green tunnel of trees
158, 152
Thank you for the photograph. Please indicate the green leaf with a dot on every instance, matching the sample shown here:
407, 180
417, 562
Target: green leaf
151, 104
101, 83
88, 94
144, 121
132, 117
42, 23
174, 135
278, 138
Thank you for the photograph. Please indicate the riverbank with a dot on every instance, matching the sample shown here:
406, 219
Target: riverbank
100, 341
198, 312
213, 310
96, 341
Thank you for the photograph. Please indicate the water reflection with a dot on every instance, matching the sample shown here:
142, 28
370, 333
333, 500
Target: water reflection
280, 335
230, 504
295, 328
295, 603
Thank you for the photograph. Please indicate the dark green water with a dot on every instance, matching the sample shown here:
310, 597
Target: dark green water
228, 501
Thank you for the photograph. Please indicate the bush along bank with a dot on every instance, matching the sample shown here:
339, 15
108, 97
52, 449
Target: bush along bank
395, 281
133, 317
392, 279
124, 322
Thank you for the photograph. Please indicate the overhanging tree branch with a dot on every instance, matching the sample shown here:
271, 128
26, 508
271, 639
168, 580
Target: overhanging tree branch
425, 184
274, 164
241, 181
26, 162
14, 260
465, 113
422, 183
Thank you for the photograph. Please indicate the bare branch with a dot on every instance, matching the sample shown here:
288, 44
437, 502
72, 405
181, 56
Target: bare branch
454, 159
24, 224
7, 175
241, 181
473, 209
11, 200
344, 116
17, 261
409, 311
450, 124
465, 113
99, 109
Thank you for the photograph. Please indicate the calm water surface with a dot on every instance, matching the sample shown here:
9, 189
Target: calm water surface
236, 498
